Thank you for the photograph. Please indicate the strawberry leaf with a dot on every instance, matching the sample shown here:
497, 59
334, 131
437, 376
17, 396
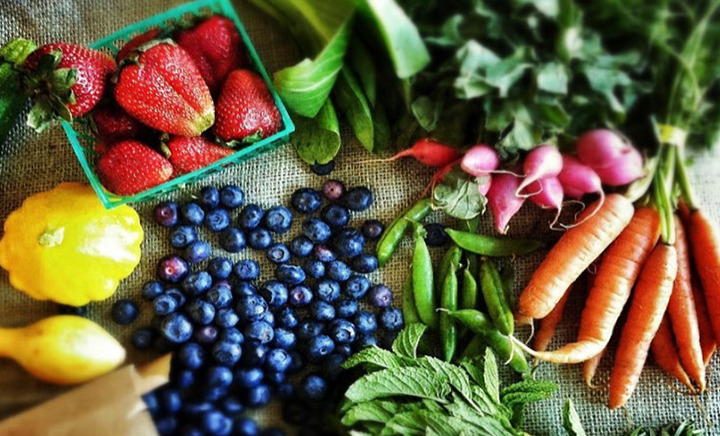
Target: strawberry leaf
41, 114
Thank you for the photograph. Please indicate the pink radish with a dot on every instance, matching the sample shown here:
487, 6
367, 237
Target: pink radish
549, 195
480, 160
601, 148
578, 179
502, 200
624, 170
542, 162
430, 153
484, 183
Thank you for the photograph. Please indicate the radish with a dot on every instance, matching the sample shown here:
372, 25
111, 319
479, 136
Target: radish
602, 148
549, 196
502, 200
542, 162
626, 169
430, 153
484, 183
578, 179
480, 160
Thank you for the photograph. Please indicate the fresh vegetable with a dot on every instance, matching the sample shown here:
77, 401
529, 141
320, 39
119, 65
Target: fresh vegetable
492, 245
541, 162
685, 428
548, 193
469, 289
130, 166
451, 257
63, 245
12, 98
503, 201
423, 284
395, 232
480, 160
665, 353
410, 313
708, 343
449, 302
494, 295
545, 333
590, 367
191, 154
62, 349
430, 153
614, 159
578, 179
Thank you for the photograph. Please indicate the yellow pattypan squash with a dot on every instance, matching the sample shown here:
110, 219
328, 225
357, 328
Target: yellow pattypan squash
63, 245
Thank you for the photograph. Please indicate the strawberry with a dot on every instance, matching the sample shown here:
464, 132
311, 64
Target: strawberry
66, 81
216, 48
115, 124
246, 110
164, 89
129, 167
136, 42
190, 154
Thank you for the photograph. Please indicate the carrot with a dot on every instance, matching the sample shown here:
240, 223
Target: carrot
705, 242
573, 253
590, 368
647, 309
618, 271
682, 313
708, 344
545, 333
665, 353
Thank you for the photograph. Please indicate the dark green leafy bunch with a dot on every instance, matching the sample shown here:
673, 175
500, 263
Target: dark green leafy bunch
517, 72
406, 394
686, 428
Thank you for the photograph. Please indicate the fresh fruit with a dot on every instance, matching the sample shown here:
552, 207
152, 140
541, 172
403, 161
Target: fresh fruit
191, 154
232, 196
12, 99
66, 81
114, 124
136, 42
246, 110
124, 312
216, 48
130, 167
164, 89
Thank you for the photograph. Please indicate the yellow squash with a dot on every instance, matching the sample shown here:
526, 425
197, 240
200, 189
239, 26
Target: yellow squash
62, 349
63, 245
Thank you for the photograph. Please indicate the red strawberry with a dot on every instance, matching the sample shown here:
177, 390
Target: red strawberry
216, 48
246, 110
114, 123
190, 154
102, 147
137, 42
129, 167
165, 90
66, 80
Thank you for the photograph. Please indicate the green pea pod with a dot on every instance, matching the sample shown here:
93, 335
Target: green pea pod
493, 245
471, 226
507, 275
422, 280
410, 314
501, 344
449, 301
469, 292
474, 348
395, 232
452, 256
494, 295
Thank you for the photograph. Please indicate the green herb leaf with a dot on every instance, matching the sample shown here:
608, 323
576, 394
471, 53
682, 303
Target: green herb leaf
412, 382
375, 411
317, 140
377, 357
491, 379
363, 66
458, 196
552, 77
354, 105
418, 422
408, 339
571, 420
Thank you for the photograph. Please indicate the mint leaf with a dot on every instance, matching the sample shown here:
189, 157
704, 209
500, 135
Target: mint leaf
412, 382
491, 380
530, 386
375, 411
317, 140
375, 356
458, 196
419, 422
491, 423
571, 420
455, 375
408, 339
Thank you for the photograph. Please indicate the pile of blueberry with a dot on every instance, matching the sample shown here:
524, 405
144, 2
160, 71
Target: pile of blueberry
237, 342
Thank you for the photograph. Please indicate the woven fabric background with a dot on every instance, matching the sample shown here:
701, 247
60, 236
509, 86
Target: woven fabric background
31, 162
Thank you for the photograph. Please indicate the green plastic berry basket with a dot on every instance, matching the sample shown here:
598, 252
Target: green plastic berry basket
83, 141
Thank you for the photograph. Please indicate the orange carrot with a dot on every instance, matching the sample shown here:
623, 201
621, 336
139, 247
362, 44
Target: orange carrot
619, 269
647, 309
683, 316
572, 254
590, 367
708, 344
665, 353
545, 333
705, 242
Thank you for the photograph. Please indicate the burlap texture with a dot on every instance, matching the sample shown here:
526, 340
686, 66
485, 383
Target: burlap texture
31, 162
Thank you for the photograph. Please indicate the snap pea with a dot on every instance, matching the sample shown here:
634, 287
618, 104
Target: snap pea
493, 245
501, 344
469, 292
471, 226
452, 256
396, 230
410, 314
449, 301
494, 295
507, 275
422, 280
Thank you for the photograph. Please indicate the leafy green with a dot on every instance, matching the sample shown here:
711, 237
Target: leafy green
317, 139
356, 108
408, 339
413, 382
458, 195
685, 428
571, 420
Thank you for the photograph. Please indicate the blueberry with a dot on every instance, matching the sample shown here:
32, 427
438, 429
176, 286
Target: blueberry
164, 304
323, 253
205, 334
287, 318
372, 229
259, 238
322, 311
365, 263
226, 353
278, 219
232, 240
191, 355
172, 269
213, 394
323, 169
391, 319
309, 329
314, 268
218, 376
365, 341
182, 236
220, 267
231, 334
197, 252
357, 286
246, 427
258, 396
316, 230
327, 290
268, 317
306, 200
216, 423
209, 197
166, 214
381, 296
274, 292
166, 425
226, 317
333, 190
278, 253
176, 328
332, 366
358, 199
301, 246
365, 322
284, 339
152, 290
285, 391
177, 295
274, 377
219, 296
124, 312
344, 350
319, 347
196, 408
143, 338
346, 308
244, 289
273, 431
231, 196
278, 360
251, 216
342, 331
217, 220
192, 214
290, 274
232, 406
348, 242
249, 377
259, 331
247, 269
296, 363
183, 379
436, 235
338, 270
335, 216
313, 387
201, 312
197, 283
250, 307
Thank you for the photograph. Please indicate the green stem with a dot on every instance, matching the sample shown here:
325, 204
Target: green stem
665, 210
668, 166
684, 182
